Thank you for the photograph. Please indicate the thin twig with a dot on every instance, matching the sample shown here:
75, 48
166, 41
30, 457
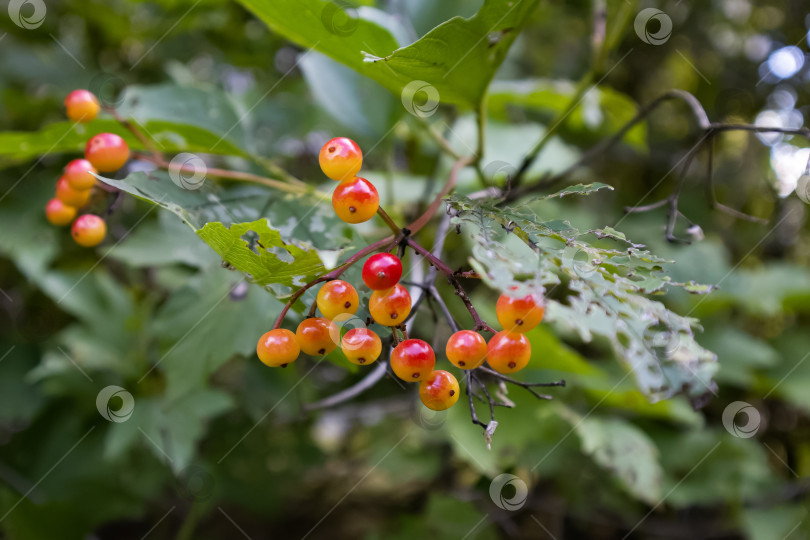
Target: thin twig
353, 391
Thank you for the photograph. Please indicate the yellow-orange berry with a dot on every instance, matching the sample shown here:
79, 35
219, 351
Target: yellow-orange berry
316, 336
81, 106
71, 197
390, 307
439, 390
337, 297
466, 349
520, 314
508, 352
79, 174
361, 346
355, 200
88, 230
59, 213
340, 159
107, 152
277, 348
412, 360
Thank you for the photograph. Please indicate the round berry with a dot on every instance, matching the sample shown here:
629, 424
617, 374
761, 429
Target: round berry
88, 230
382, 271
315, 336
361, 346
390, 307
59, 213
439, 390
412, 360
107, 152
337, 297
520, 314
79, 174
81, 106
508, 352
340, 159
466, 349
70, 196
355, 200
277, 348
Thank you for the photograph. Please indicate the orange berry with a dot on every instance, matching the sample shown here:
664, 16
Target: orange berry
88, 230
81, 106
277, 348
340, 159
466, 349
59, 213
337, 297
439, 390
390, 307
412, 360
70, 196
79, 174
107, 152
355, 200
508, 352
361, 346
520, 314
315, 336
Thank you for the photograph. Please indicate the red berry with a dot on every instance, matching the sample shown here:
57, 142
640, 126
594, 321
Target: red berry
412, 360
70, 196
390, 307
107, 152
81, 106
361, 346
79, 174
88, 230
466, 349
59, 213
277, 348
520, 314
382, 271
508, 352
340, 159
336, 298
355, 200
439, 391
317, 336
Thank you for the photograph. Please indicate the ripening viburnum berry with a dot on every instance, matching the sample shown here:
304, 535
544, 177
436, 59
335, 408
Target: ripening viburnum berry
59, 213
520, 314
107, 152
79, 174
508, 352
390, 307
466, 349
88, 230
412, 360
316, 336
337, 297
382, 271
355, 200
361, 346
277, 348
81, 106
71, 197
439, 390
340, 159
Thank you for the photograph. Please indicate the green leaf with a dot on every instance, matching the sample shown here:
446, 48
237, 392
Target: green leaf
578, 189
259, 250
458, 58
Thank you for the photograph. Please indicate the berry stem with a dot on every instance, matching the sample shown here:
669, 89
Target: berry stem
130, 126
388, 221
473, 414
437, 201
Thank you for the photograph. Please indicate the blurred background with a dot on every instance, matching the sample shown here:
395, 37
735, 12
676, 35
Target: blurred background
218, 446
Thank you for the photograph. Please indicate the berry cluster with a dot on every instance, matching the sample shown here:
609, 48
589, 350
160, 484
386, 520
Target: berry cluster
355, 200
105, 152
